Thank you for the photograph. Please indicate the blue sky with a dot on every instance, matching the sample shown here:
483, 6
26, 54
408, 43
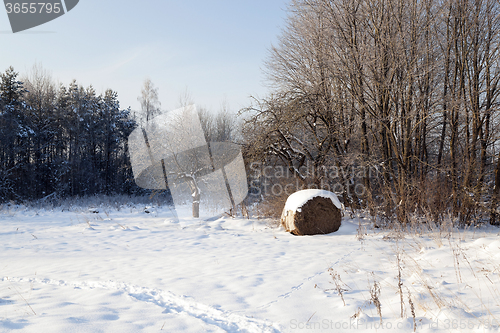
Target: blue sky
214, 49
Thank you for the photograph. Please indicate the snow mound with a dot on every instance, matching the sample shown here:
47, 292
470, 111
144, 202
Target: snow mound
298, 199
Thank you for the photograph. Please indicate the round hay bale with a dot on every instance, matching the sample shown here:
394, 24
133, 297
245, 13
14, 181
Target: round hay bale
312, 212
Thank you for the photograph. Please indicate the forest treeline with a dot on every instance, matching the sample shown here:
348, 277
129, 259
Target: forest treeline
61, 141
68, 141
407, 88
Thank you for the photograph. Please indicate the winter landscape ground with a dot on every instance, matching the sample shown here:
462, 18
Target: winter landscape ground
131, 268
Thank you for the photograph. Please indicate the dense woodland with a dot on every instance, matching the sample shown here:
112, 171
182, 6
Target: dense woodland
67, 141
410, 88
59, 142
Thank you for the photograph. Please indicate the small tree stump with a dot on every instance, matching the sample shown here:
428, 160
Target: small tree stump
317, 215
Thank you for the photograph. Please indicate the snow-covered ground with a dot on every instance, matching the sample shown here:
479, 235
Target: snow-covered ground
130, 271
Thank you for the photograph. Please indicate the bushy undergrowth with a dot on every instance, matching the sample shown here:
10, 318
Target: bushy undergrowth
94, 201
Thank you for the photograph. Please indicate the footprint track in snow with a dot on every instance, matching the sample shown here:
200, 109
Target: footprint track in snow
170, 302
309, 278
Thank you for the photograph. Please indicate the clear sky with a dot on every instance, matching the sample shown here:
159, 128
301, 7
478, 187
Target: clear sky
213, 48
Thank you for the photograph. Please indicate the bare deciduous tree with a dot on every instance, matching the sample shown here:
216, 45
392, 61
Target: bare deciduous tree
410, 87
150, 105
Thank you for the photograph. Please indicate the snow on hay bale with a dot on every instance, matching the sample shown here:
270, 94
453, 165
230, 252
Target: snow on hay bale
312, 212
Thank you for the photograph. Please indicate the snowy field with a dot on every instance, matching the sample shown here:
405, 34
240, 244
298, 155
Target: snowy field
125, 270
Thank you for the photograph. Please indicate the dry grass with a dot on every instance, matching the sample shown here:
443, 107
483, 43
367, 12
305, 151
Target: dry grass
420, 286
399, 255
412, 308
340, 286
271, 207
361, 234
13, 287
374, 297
